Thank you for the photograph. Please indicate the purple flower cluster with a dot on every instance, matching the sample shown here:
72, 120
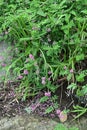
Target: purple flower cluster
3, 64
48, 94
20, 77
31, 56
49, 72
1, 57
26, 72
71, 70
43, 80
58, 111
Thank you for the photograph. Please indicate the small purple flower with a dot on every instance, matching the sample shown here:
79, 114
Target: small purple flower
48, 79
61, 116
12, 94
1, 57
33, 107
71, 70
31, 56
20, 77
9, 81
49, 72
3, 64
43, 80
52, 115
58, 111
48, 94
25, 72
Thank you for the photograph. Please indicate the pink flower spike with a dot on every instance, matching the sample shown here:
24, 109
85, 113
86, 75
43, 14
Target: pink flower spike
49, 72
60, 116
1, 57
71, 71
3, 64
48, 94
58, 111
48, 79
26, 72
31, 56
33, 108
20, 77
43, 78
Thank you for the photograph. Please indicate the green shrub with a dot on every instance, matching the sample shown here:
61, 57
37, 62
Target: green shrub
48, 36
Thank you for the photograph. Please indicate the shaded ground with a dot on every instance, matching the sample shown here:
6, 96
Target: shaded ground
10, 104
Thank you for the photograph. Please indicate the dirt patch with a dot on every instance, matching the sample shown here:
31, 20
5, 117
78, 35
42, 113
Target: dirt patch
11, 105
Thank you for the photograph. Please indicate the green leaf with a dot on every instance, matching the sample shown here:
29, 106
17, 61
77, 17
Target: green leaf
72, 86
80, 57
49, 109
69, 76
24, 39
60, 127
80, 78
43, 99
41, 13
84, 11
84, 89
73, 128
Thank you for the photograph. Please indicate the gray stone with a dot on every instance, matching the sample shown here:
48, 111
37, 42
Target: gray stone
33, 122
26, 122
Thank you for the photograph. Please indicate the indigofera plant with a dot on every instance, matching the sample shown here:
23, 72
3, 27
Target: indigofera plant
49, 40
